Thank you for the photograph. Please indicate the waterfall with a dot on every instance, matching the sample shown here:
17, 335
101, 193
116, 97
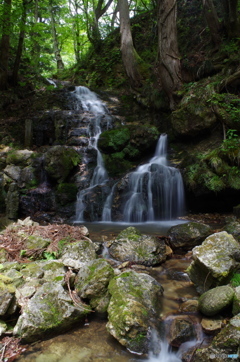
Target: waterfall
87, 101
155, 190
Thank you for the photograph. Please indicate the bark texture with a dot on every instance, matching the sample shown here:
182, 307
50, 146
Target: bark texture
129, 54
212, 20
169, 59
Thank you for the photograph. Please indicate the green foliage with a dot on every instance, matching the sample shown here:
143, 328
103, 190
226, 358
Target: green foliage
49, 255
235, 281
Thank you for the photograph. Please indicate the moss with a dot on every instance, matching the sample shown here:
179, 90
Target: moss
66, 193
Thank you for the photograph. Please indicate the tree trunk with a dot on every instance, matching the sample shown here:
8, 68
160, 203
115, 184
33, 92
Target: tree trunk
231, 18
169, 67
56, 48
20, 43
212, 20
129, 54
5, 44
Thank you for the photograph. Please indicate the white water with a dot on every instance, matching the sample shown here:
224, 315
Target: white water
89, 102
156, 190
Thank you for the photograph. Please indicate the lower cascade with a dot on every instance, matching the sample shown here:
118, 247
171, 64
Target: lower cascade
154, 191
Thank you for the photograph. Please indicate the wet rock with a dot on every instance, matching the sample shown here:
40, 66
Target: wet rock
76, 254
92, 283
228, 338
181, 330
190, 306
213, 263
59, 161
12, 202
13, 172
134, 307
188, 235
233, 228
50, 309
131, 245
211, 325
216, 300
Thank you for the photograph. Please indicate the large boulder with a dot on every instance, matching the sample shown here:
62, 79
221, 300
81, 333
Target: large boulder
213, 261
131, 245
188, 235
50, 309
215, 300
92, 283
134, 308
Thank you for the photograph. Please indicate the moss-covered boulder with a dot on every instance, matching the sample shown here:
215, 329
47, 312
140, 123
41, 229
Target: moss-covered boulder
134, 307
21, 158
122, 146
188, 235
78, 253
50, 309
131, 245
60, 161
233, 228
213, 262
92, 283
181, 330
215, 300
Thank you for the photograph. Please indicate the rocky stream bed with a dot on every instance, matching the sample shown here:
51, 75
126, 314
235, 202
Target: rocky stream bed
57, 278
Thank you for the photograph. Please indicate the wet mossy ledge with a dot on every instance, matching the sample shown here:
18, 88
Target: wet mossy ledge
123, 147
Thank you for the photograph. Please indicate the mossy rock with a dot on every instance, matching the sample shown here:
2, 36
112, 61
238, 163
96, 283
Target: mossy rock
60, 161
66, 193
20, 157
133, 309
122, 147
215, 300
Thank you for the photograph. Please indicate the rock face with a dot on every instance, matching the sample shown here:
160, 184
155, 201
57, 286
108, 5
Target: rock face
213, 263
131, 245
134, 307
215, 300
92, 283
181, 330
188, 235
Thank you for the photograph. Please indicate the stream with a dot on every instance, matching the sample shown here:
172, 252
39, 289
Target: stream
92, 342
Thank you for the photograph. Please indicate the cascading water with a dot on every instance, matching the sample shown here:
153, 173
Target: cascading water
89, 102
155, 190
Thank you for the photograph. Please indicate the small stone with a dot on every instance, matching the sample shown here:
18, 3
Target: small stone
211, 325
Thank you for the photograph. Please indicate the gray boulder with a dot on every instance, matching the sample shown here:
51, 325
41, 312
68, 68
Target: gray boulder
213, 262
50, 309
134, 308
188, 235
214, 301
76, 254
131, 245
92, 283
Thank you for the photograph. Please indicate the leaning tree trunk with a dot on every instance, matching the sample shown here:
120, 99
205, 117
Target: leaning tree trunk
5, 44
169, 59
129, 55
212, 20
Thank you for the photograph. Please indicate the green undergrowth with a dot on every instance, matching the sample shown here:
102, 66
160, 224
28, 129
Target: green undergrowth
217, 169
